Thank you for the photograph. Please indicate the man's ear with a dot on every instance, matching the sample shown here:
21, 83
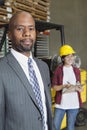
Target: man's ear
9, 35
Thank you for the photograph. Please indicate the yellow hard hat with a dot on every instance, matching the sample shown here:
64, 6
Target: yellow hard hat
66, 50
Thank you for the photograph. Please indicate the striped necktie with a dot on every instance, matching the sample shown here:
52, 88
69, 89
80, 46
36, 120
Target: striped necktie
36, 88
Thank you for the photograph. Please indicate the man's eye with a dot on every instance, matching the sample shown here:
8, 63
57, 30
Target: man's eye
31, 29
20, 29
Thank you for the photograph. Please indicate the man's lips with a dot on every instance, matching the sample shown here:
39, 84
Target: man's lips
27, 41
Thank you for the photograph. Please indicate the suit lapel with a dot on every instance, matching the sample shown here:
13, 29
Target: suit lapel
20, 73
46, 91
47, 94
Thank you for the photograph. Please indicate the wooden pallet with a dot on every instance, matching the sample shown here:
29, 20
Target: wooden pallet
42, 0
25, 2
38, 8
4, 13
3, 19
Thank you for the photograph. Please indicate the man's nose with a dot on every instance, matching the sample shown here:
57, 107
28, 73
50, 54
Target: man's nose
26, 33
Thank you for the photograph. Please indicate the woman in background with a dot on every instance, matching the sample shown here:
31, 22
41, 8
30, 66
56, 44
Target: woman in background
66, 82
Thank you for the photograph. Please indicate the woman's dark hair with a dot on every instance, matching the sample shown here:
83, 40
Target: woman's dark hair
62, 58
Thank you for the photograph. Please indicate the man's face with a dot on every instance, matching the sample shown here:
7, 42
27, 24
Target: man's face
23, 33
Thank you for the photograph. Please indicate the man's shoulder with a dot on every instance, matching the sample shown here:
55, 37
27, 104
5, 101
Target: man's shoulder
39, 60
4, 60
41, 63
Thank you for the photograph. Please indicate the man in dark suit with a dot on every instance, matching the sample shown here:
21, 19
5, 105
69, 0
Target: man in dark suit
19, 109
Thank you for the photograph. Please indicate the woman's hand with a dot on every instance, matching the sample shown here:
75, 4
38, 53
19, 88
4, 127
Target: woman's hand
79, 88
66, 85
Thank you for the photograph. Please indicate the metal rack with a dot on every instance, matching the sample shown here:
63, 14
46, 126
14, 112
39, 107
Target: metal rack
42, 26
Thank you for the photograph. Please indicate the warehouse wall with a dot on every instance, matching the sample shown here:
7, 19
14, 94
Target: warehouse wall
73, 15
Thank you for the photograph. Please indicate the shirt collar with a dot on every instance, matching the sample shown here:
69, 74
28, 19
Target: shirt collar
20, 57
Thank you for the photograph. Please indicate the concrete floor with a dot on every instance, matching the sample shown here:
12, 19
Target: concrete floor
81, 128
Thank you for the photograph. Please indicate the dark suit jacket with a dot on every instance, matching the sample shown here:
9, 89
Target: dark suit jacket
18, 107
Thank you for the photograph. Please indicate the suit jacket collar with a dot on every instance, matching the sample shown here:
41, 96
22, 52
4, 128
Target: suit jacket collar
13, 63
